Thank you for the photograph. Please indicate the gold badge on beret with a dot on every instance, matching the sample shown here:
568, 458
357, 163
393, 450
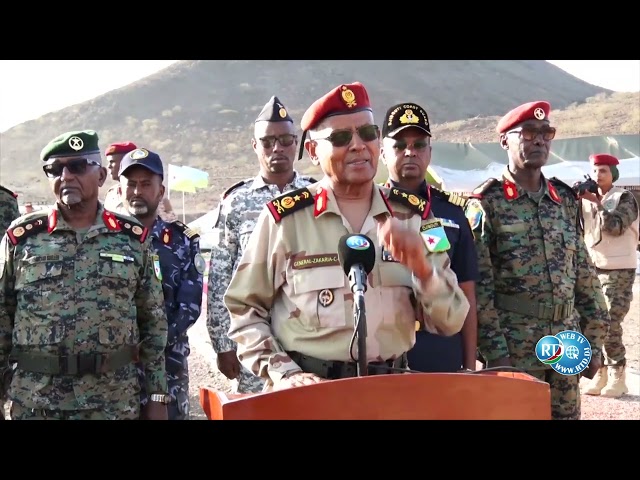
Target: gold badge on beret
282, 112
539, 113
349, 97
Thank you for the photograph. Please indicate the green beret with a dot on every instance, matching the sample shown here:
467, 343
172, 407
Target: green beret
71, 144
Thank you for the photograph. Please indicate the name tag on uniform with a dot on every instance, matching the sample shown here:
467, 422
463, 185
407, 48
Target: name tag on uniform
447, 222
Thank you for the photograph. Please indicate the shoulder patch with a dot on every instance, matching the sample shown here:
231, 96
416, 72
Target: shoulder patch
33, 224
450, 197
14, 195
226, 193
474, 213
479, 191
190, 233
559, 183
132, 227
290, 202
414, 202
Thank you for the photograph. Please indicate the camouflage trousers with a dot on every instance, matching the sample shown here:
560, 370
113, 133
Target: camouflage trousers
565, 393
124, 411
247, 382
617, 286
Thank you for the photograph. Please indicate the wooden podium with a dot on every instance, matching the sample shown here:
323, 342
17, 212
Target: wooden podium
414, 396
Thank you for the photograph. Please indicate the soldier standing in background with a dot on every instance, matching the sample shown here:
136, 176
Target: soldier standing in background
176, 256
275, 143
536, 277
611, 225
114, 153
79, 301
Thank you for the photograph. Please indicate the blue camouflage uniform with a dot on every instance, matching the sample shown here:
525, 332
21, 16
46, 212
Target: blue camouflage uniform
177, 254
438, 353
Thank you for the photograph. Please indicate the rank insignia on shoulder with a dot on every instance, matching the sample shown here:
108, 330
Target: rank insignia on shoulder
290, 202
190, 233
434, 236
30, 226
228, 191
415, 202
474, 213
117, 222
479, 191
457, 200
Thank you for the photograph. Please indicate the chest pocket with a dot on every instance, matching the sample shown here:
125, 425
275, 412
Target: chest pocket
246, 229
397, 298
319, 293
512, 240
40, 285
120, 278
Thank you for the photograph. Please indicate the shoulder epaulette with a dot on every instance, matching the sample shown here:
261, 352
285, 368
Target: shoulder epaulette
450, 197
414, 202
232, 188
479, 191
290, 202
556, 181
130, 226
189, 232
29, 225
14, 195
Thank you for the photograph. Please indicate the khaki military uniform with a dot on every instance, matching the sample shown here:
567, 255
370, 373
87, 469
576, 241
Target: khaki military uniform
77, 310
291, 269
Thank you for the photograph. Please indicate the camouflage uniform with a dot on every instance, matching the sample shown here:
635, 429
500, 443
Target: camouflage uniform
238, 211
8, 209
77, 309
290, 268
176, 249
532, 257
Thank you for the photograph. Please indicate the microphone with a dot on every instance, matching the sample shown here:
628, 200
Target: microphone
357, 255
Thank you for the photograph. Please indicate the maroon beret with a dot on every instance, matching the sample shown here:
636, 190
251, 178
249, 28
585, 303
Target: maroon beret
603, 159
529, 111
343, 99
121, 147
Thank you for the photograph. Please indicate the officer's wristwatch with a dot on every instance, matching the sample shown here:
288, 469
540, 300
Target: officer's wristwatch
160, 398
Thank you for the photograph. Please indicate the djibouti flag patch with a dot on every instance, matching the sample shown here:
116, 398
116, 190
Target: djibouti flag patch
156, 267
434, 236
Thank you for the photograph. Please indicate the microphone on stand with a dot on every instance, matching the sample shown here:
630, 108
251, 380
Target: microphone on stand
357, 255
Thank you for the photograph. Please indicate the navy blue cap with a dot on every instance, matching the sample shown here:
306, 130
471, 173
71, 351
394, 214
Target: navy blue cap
141, 157
274, 111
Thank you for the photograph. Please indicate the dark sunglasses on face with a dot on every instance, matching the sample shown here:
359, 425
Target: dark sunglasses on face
530, 133
285, 140
417, 145
77, 166
342, 138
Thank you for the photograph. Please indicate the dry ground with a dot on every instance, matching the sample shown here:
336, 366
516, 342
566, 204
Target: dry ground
204, 373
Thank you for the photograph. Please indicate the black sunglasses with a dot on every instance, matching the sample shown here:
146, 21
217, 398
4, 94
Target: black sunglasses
285, 140
77, 166
530, 133
342, 138
417, 145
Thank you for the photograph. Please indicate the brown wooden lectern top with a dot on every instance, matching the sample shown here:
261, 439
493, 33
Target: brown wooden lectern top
414, 396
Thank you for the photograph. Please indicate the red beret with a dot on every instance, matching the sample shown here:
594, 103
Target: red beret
349, 98
603, 159
528, 111
122, 147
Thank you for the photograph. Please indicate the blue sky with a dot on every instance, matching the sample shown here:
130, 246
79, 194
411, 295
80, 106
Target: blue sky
32, 88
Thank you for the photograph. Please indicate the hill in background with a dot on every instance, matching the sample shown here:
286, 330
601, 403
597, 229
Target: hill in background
201, 113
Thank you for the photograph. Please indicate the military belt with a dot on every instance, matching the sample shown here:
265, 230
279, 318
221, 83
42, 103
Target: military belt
333, 369
77, 364
539, 310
